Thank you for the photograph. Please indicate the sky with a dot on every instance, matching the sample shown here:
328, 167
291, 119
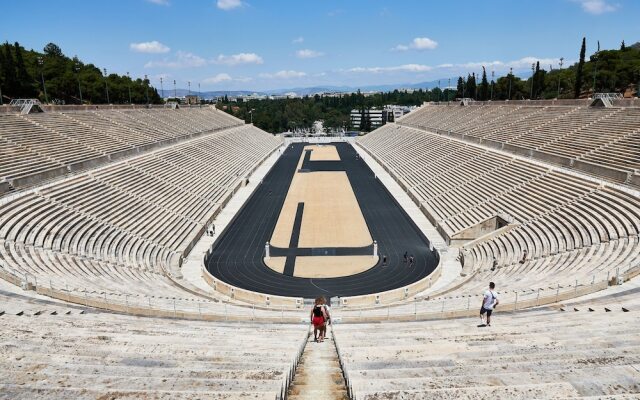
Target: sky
261, 45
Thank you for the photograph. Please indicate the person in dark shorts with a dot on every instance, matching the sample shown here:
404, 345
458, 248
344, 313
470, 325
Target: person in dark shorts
489, 302
525, 253
318, 318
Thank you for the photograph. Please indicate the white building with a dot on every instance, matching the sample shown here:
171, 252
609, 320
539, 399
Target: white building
373, 114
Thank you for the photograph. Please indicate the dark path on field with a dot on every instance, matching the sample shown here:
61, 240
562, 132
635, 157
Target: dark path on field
237, 256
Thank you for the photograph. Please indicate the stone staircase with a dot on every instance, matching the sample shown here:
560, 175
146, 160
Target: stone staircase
319, 375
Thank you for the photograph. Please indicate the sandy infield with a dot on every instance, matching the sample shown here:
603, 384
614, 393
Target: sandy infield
331, 218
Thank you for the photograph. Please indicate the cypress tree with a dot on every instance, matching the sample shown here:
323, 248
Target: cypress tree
10, 75
484, 85
578, 87
1, 76
460, 88
623, 47
24, 80
473, 87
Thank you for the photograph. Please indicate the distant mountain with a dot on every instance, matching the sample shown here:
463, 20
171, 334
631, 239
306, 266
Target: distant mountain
635, 46
309, 91
208, 94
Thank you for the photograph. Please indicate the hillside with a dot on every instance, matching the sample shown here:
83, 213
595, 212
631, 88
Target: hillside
22, 73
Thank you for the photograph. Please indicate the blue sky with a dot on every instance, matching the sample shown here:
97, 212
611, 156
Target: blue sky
271, 44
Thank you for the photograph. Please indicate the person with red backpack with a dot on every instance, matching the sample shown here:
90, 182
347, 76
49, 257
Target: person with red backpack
319, 318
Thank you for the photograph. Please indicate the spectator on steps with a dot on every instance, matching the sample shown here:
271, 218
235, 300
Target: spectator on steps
489, 302
327, 311
494, 265
412, 260
524, 256
318, 318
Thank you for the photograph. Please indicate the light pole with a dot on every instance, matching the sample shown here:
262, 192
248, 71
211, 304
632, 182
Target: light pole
106, 84
199, 96
449, 89
595, 72
533, 68
251, 114
475, 83
493, 74
510, 78
189, 86
161, 88
439, 91
129, 87
77, 69
560, 75
44, 86
146, 89
175, 96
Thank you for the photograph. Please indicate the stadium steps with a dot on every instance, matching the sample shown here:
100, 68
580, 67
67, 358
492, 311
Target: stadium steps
319, 375
593, 354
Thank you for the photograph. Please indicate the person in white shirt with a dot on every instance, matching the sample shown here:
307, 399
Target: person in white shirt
489, 302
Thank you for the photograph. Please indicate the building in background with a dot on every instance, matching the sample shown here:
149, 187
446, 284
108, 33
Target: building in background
366, 119
191, 99
375, 118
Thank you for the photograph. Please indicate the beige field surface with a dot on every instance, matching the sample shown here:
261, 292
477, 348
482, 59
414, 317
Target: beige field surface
332, 266
276, 263
323, 153
332, 216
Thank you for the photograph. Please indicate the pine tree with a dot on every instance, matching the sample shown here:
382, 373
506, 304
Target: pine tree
579, 71
623, 47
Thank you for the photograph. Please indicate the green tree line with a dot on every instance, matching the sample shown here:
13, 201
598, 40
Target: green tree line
280, 115
606, 71
53, 77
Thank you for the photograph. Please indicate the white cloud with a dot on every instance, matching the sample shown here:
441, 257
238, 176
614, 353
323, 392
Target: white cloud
284, 74
307, 53
419, 43
597, 7
237, 59
149, 47
229, 4
183, 60
218, 78
298, 40
424, 43
523, 63
223, 77
159, 2
398, 68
